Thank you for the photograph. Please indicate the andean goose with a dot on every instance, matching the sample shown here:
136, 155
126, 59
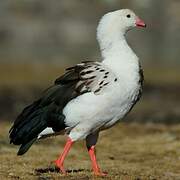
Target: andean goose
90, 96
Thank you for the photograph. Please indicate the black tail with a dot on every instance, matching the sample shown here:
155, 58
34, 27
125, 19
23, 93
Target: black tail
27, 126
33, 120
25, 147
46, 112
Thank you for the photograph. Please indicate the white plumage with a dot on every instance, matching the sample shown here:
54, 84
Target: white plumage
93, 111
89, 97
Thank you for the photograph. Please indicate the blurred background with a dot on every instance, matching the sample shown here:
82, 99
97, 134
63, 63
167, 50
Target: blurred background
38, 39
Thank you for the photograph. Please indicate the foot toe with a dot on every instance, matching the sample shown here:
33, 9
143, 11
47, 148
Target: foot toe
101, 173
60, 166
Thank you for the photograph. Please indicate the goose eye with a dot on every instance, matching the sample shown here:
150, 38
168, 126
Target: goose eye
128, 16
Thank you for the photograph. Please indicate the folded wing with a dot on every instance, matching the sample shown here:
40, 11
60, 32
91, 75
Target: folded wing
48, 110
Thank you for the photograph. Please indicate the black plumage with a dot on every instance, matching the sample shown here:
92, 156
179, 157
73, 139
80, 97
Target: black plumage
47, 111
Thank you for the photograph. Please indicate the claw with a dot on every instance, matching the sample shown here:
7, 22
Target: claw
100, 173
60, 166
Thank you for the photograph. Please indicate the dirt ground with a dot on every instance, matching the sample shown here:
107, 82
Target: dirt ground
127, 151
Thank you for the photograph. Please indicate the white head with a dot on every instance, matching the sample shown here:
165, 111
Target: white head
114, 25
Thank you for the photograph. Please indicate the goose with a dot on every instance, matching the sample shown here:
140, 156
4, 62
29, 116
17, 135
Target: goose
90, 96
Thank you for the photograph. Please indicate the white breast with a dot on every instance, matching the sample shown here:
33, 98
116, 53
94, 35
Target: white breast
104, 109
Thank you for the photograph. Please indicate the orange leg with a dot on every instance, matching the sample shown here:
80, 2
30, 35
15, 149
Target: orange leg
95, 166
60, 161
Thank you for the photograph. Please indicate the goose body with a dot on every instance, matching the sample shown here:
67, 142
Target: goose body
90, 96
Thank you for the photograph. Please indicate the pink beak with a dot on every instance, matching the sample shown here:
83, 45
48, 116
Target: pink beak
140, 23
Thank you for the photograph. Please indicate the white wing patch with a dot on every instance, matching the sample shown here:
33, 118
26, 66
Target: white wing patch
95, 77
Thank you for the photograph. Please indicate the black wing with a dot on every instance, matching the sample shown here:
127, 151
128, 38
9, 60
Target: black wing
47, 111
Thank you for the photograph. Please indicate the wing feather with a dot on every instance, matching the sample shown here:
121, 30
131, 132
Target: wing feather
89, 76
48, 110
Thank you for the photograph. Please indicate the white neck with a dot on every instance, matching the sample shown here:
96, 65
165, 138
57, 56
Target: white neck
117, 50
118, 56
114, 48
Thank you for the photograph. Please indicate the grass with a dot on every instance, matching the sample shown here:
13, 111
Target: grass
127, 152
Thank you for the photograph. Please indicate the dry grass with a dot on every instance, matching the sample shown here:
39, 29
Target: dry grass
127, 152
